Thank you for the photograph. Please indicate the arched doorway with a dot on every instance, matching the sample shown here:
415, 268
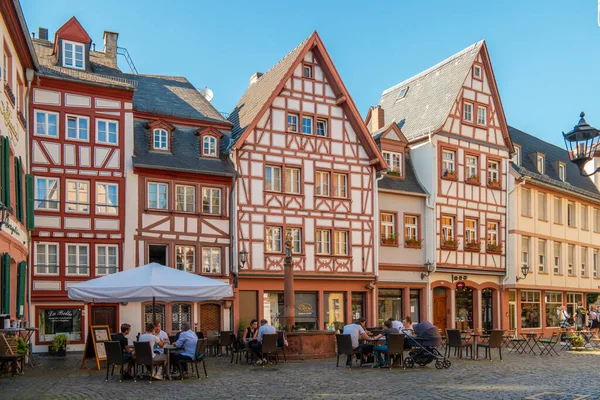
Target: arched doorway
464, 308
439, 307
487, 309
210, 318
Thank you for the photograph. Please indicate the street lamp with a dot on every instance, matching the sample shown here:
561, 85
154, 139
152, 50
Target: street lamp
428, 270
243, 258
581, 143
524, 271
4, 213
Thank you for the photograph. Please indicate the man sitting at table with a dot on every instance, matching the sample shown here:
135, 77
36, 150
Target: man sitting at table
187, 341
383, 349
127, 354
162, 335
149, 336
356, 330
265, 329
396, 324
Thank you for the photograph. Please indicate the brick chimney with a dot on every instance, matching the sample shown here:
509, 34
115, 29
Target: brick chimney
255, 77
43, 33
377, 118
110, 46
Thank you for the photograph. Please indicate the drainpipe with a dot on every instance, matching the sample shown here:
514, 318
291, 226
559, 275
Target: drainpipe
430, 204
376, 240
29, 75
232, 242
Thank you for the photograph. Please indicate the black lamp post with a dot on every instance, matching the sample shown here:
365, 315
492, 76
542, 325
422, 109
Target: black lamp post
581, 143
524, 271
428, 270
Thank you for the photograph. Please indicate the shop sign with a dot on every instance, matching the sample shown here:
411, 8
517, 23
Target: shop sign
304, 309
456, 278
460, 285
60, 315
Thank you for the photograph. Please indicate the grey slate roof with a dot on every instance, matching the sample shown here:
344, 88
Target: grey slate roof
184, 155
575, 183
430, 95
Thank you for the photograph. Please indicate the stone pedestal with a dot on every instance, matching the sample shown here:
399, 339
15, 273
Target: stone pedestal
307, 345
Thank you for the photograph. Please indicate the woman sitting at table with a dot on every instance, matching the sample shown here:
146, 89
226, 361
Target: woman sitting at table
388, 330
407, 330
251, 331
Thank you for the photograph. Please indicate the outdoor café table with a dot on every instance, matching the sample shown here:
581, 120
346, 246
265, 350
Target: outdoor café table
167, 348
375, 343
531, 341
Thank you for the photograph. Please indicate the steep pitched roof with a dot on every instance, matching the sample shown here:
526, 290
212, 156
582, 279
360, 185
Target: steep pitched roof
385, 131
575, 182
72, 30
410, 183
260, 95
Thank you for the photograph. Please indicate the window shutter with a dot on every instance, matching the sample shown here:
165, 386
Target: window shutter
5, 283
21, 279
29, 196
18, 189
5, 172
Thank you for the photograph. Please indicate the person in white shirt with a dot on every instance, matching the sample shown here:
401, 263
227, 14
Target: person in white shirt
149, 336
357, 331
265, 329
396, 324
162, 335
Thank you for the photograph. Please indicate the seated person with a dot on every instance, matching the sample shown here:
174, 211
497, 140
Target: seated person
408, 331
127, 353
162, 335
356, 330
251, 331
149, 336
389, 329
187, 341
396, 324
265, 329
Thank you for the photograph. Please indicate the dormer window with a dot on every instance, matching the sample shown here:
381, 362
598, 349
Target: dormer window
517, 156
160, 139
540, 164
73, 55
477, 74
209, 146
307, 71
562, 172
402, 93
394, 161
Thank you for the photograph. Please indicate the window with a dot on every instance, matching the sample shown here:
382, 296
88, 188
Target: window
402, 93
468, 112
542, 256
211, 201
273, 178
558, 214
106, 131
78, 196
321, 183
340, 185
106, 259
571, 259
46, 259
296, 239
525, 250
323, 241
161, 139
77, 127
595, 263
60, 320
540, 164
307, 125
394, 161
447, 229
553, 302
388, 226
477, 71
186, 258
530, 309
472, 166
185, 198
307, 71
209, 146
157, 196
584, 217
557, 260
411, 227
492, 236
292, 180
273, 242
78, 259
571, 214
448, 158
46, 123
481, 115
596, 220
107, 199
517, 156
340, 243
292, 123
180, 313
493, 172
211, 260
542, 206
526, 202
562, 172
156, 314
47, 193
584, 255
572, 300
73, 54
471, 232
322, 127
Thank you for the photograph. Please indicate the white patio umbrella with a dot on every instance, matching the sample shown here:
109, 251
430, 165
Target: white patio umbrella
152, 281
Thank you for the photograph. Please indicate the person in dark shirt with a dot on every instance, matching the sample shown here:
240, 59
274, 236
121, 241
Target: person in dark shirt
127, 354
383, 349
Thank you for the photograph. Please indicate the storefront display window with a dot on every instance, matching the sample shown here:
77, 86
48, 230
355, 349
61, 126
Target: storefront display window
572, 299
60, 320
273, 309
334, 310
464, 308
306, 310
358, 306
552, 301
530, 309
390, 304
415, 305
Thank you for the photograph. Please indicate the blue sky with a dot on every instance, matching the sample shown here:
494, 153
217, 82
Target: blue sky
545, 54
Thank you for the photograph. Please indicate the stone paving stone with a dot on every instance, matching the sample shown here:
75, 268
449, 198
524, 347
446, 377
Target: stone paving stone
571, 376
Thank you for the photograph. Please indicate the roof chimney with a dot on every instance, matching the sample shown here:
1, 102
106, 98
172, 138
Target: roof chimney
110, 46
377, 118
43, 33
255, 77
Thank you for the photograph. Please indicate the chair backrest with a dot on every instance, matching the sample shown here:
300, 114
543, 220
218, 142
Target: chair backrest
114, 353
225, 338
143, 353
395, 343
240, 334
234, 342
453, 337
344, 343
173, 338
269, 343
213, 337
200, 347
280, 339
200, 335
496, 338
376, 331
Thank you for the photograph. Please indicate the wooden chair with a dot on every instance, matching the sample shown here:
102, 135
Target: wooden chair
495, 342
455, 341
9, 355
114, 356
395, 344
199, 356
269, 347
143, 356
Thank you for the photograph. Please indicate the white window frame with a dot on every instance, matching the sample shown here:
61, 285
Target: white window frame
447, 228
411, 227
388, 225
296, 239
525, 202
107, 208
311, 126
274, 239
585, 213
78, 266
476, 69
209, 150
542, 206
517, 155
571, 214
595, 263
309, 68
541, 250
163, 139
273, 178
322, 126
322, 183
212, 193
571, 259
471, 235
558, 211
448, 164
79, 205
493, 229
291, 117
182, 206
292, 181
46, 266
557, 255
482, 117
323, 242
158, 185
78, 129
493, 171
340, 185
75, 46
394, 161
106, 265
468, 111
181, 258
525, 244
47, 200
584, 261
540, 164
341, 243
108, 122
472, 166
46, 123
596, 217
562, 172
214, 254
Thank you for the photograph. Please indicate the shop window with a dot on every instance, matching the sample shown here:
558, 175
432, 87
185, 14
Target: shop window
572, 300
415, 305
60, 320
334, 311
273, 307
358, 305
552, 302
390, 304
530, 309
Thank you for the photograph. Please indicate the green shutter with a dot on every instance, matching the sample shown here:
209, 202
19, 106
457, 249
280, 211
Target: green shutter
29, 195
5, 171
18, 189
21, 279
6, 283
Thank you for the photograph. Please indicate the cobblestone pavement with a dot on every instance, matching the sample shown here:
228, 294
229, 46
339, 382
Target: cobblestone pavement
567, 377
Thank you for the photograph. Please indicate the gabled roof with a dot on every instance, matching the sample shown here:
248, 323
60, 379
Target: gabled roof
575, 182
72, 30
19, 33
385, 131
410, 183
259, 96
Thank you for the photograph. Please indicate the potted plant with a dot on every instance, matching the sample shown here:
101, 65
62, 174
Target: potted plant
577, 343
473, 245
450, 174
59, 344
22, 346
493, 182
393, 172
414, 243
450, 244
473, 179
494, 248
390, 239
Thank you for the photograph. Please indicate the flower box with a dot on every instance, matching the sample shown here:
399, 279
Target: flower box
494, 183
494, 248
449, 244
393, 173
413, 243
473, 246
389, 241
473, 180
449, 174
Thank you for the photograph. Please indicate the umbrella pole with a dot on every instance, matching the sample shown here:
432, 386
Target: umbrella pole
153, 309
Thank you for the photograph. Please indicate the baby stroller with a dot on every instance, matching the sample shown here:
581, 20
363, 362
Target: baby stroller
424, 343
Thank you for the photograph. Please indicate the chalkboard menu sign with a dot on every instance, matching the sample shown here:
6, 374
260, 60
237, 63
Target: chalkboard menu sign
94, 345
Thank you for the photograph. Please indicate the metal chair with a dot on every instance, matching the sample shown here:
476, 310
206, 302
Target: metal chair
395, 344
143, 356
269, 347
547, 344
199, 356
454, 341
495, 342
344, 346
225, 341
114, 356
281, 344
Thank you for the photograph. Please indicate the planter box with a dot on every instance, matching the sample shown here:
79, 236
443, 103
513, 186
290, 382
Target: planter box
474, 249
448, 247
389, 242
472, 181
495, 185
413, 246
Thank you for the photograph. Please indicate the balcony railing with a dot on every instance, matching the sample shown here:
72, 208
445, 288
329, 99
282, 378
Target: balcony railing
9, 93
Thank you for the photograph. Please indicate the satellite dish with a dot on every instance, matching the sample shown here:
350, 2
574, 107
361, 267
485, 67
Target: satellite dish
207, 93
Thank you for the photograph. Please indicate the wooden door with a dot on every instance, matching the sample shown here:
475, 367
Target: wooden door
439, 311
106, 315
210, 318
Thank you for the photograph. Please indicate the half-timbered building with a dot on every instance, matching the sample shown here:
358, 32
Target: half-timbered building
452, 117
81, 113
308, 167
